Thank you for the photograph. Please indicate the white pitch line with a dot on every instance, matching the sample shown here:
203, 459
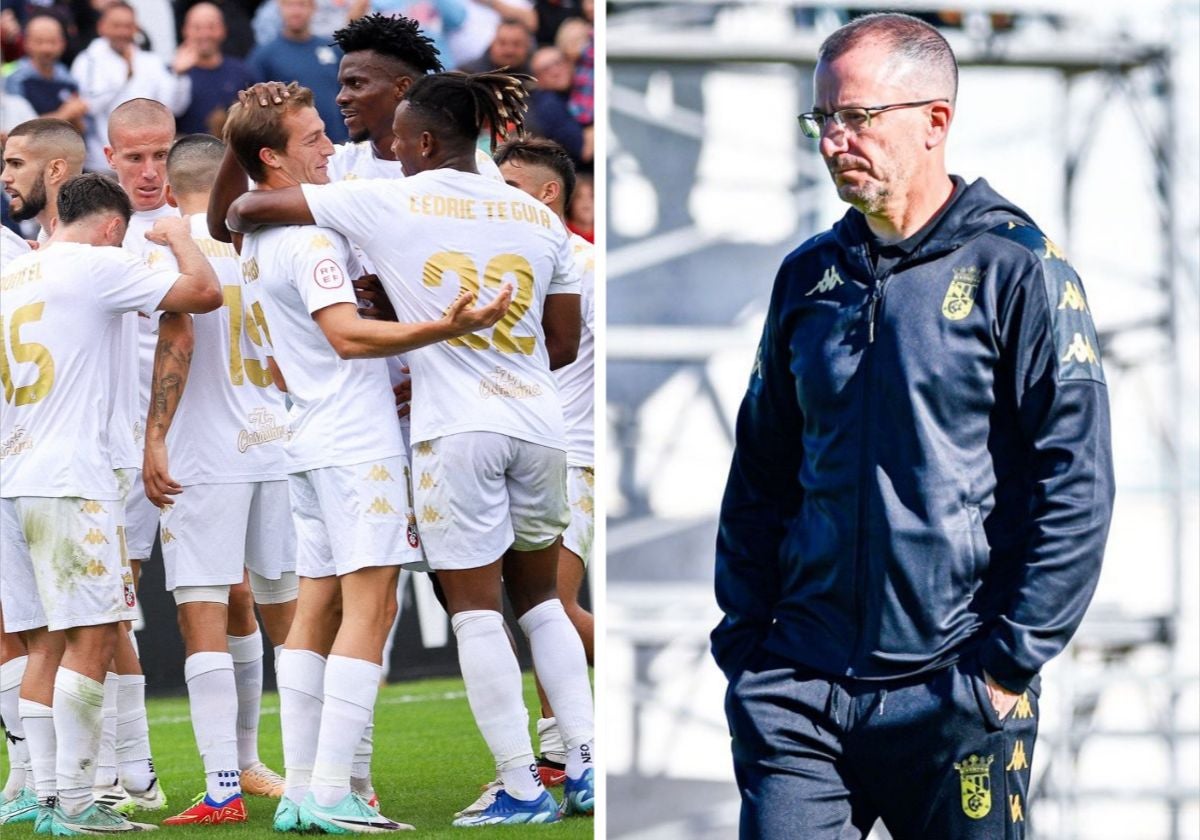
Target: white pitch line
398, 700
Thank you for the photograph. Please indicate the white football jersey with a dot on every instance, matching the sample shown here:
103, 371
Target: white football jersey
61, 308
575, 380
135, 357
448, 231
231, 422
343, 411
351, 161
12, 245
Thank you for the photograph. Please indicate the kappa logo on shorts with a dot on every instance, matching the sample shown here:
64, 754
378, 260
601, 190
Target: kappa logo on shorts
1015, 812
426, 481
960, 297
975, 781
381, 506
91, 507
414, 539
94, 536
95, 568
430, 515
379, 473
425, 447
586, 504
588, 475
167, 536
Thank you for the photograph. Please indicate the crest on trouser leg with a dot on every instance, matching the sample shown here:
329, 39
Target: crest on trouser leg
975, 780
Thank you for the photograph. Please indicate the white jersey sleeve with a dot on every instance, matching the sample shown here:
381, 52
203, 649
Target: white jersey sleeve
321, 273
351, 208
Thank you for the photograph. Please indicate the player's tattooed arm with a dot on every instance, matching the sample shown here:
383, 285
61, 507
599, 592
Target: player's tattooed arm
172, 361
197, 288
260, 208
562, 325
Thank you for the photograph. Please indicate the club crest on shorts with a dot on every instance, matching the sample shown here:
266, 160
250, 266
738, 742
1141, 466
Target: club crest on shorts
130, 592
414, 540
975, 781
960, 297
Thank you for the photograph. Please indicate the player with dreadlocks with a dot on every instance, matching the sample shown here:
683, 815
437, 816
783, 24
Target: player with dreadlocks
488, 437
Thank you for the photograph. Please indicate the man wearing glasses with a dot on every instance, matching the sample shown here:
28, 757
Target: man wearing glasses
919, 499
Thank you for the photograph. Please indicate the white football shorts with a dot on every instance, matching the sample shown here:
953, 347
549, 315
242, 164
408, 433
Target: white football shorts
581, 494
353, 517
479, 494
215, 531
63, 564
141, 515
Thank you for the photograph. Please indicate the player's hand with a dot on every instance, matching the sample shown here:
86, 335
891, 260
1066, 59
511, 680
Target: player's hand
1003, 700
403, 393
467, 319
159, 484
264, 94
167, 228
373, 302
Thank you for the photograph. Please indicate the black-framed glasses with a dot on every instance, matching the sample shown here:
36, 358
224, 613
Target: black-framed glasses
852, 120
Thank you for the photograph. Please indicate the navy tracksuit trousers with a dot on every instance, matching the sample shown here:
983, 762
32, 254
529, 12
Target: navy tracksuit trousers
822, 759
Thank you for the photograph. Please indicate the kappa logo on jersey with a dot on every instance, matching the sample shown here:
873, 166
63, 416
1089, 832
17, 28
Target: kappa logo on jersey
588, 475
830, 281
154, 258
1052, 252
94, 536
91, 507
429, 515
975, 783
960, 297
381, 506
426, 481
329, 275
586, 504
1080, 351
1018, 761
1072, 298
250, 270
319, 240
379, 473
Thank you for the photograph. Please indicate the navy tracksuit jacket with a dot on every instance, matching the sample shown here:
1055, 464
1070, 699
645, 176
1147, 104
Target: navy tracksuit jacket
923, 467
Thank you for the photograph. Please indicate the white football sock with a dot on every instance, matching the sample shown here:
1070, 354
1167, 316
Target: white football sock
134, 765
38, 720
360, 770
247, 653
351, 686
493, 677
209, 676
561, 666
78, 710
11, 673
301, 680
106, 759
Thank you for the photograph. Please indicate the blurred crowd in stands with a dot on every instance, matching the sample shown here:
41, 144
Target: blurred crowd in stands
80, 59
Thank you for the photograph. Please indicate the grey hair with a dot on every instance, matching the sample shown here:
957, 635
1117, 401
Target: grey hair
914, 45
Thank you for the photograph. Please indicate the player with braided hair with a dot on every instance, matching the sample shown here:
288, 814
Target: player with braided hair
489, 460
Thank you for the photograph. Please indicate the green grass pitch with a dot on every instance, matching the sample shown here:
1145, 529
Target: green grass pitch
429, 762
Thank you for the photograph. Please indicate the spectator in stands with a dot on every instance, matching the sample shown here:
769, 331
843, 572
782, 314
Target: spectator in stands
216, 78
328, 17
298, 55
237, 14
42, 79
581, 214
549, 115
509, 49
12, 41
550, 16
575, 38
112, 70
156, 18
484, 17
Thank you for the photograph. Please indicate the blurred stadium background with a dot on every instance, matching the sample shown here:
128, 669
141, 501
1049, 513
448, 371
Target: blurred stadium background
1086, 114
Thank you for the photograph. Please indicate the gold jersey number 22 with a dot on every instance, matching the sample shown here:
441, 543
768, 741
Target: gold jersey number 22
493, 277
